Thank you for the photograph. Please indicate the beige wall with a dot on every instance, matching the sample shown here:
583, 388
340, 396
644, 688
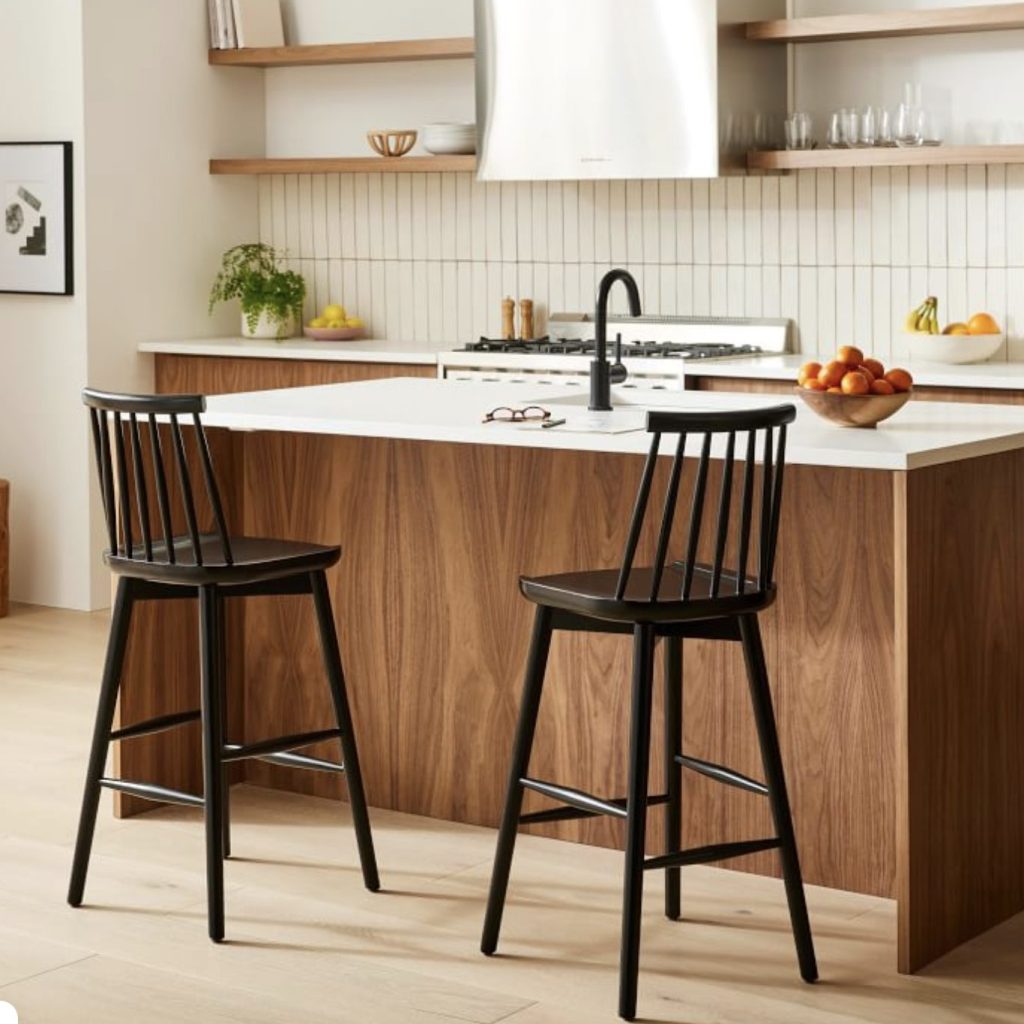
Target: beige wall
43, 439
157, 221
129, 84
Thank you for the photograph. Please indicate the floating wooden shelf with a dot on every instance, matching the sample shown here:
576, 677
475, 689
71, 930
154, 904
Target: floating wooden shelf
987, 18
343, 164
792, 160
455, 48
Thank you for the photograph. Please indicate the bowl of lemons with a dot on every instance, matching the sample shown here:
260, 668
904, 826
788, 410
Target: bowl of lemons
334, 324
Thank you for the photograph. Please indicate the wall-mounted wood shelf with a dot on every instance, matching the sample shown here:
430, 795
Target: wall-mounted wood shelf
829, 28
454, 48
793, 160
343, 164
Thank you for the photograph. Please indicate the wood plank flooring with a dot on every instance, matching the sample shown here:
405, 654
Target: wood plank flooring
307, 942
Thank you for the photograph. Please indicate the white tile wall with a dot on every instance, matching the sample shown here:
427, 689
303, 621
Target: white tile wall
844, 253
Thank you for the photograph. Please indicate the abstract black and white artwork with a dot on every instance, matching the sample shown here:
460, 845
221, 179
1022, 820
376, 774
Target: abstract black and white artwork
36, 252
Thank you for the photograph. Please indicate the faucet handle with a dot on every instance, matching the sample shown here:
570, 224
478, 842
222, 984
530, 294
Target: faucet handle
618, 372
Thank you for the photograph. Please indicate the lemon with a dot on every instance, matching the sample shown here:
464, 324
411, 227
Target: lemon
354, 321
318, 322
333, 312
335, 324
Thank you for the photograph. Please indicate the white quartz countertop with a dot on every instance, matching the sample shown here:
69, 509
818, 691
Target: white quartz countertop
1007, 376
921, 434
369, 350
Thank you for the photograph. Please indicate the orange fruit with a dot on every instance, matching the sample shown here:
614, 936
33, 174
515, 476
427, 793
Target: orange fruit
851, 355
832, 373
867, 371
835, 391
807, 371
900, 380
882, 387
876, 368
813, 384
957, 329
855, 383
982, 323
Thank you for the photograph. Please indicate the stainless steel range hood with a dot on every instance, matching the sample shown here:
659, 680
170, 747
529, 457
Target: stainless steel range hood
571, 89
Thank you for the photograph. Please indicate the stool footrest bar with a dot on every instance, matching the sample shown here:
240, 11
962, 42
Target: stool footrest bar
575, 798
152, 725
572, 813
151, 791
236, 752
704, 854
314, 764
720, 773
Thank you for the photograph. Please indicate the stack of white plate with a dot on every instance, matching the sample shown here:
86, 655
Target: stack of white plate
449, 137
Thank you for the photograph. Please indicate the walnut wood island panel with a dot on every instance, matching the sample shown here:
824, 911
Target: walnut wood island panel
892, 651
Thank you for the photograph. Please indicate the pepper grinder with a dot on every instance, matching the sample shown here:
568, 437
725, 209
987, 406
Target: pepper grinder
508, 320
526, 319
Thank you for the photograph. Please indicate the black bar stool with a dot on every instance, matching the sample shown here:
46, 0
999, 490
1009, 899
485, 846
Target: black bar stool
686, 598
212, 567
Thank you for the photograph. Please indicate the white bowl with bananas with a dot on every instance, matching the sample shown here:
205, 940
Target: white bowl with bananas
957, 343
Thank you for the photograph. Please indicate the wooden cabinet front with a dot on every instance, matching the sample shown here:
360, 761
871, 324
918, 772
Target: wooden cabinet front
223, 375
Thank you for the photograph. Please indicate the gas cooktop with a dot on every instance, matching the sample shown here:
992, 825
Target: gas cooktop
635, 349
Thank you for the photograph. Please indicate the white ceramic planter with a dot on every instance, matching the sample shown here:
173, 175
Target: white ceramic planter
267, 328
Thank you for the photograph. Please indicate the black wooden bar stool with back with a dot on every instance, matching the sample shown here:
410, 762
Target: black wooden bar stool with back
156, 565
696, 597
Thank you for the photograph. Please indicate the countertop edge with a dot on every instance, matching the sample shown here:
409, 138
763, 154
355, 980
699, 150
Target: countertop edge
986, 376
319, 351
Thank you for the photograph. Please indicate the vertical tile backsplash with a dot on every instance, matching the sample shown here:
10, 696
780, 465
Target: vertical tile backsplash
845, 253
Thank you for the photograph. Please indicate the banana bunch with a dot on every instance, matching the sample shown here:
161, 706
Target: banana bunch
924, 319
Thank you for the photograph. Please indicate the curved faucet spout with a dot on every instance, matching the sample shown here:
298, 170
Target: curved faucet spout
600, 372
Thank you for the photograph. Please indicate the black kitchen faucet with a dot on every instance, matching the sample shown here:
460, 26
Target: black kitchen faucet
603, 375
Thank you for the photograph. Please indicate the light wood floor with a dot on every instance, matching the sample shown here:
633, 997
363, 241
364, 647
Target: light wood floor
308, 943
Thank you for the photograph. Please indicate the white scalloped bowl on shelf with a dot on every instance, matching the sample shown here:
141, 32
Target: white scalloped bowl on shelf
954, 349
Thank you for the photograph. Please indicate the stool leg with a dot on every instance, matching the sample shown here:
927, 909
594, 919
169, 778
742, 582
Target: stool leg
771, 756
111, 683
673, 770
213, 746
636, 823
222, 671
536, 665
336, 681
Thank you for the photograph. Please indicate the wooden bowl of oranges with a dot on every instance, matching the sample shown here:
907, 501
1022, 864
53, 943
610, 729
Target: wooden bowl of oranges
853, 390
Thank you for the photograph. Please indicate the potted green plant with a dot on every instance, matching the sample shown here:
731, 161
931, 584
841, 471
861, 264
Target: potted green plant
271, 298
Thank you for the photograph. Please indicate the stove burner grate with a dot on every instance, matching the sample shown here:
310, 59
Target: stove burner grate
630, 349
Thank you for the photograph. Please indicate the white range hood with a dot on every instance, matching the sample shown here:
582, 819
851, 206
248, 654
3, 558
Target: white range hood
580, 89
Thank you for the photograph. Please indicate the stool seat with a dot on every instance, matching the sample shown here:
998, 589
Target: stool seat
592, 593
253, 559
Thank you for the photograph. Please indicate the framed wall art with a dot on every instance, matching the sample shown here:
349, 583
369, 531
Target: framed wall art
36, 245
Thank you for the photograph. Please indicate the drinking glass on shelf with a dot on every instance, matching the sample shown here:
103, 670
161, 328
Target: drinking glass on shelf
929, 128
908, 125
885, 129
868, 127
850, 127
798, 131
834, 139
908, 116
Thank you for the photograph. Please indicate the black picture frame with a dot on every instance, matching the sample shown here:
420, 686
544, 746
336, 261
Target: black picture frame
68, 234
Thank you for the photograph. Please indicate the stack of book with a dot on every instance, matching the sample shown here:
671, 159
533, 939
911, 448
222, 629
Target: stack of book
235, 24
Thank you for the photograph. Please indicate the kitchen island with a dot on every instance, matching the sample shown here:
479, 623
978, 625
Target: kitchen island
893, 648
